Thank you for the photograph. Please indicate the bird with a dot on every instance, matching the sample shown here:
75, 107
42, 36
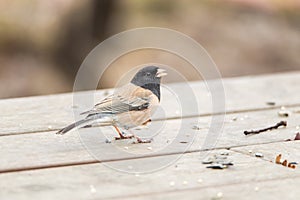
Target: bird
129, 106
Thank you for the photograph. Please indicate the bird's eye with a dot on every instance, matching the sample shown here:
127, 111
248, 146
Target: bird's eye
148, 74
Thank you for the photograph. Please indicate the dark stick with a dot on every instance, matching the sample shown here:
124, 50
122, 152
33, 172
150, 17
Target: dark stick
281, 123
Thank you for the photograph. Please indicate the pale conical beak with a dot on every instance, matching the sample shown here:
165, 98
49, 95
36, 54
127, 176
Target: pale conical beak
161, 73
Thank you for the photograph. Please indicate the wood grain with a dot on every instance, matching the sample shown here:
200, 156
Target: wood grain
45, 113
282, 188
46, 149
90, 164
97, 181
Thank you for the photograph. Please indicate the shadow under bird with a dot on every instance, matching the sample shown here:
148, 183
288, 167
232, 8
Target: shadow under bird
130, 106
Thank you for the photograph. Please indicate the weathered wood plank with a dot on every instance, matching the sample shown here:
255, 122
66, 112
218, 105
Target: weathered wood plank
96, 181
47, 149
283, 188
270, 188
81, 179
46, 113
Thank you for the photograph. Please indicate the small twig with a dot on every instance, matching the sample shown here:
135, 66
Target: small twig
279, 124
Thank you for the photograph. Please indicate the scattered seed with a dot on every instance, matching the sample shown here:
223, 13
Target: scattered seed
49, 127
259, 155
199, 180
294, 163
208, 161
184, 182
108, 141
219, 194
250, 151
271, 103
282, 108
284, 163
234, 118
293, 166
218, 161
93, 189
297, 127
196, 128
126, 148
228, 163
217, 166
172, 183
283, 113
224, 153
278, 158
149, 148
256, 189
297, 137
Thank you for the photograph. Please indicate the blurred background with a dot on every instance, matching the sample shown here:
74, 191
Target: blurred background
43, 43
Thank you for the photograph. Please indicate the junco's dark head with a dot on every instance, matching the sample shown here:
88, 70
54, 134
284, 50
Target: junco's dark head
149, 78
148, 75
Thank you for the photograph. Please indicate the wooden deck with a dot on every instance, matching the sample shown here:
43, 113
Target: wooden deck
37, 164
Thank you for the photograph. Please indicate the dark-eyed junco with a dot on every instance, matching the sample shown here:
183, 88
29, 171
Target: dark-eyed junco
130, 106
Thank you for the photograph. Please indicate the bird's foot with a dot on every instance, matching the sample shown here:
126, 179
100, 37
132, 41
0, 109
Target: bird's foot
124, 137
139, 140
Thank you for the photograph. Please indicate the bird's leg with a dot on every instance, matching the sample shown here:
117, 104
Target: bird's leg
146, 122
121, 135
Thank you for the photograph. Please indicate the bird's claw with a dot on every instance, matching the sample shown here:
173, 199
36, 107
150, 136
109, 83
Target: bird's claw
139, 140
124, 137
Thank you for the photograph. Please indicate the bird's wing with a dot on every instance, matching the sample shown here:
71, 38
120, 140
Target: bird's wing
126, 99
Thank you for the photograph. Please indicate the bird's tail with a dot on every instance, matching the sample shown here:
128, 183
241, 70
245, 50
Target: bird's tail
78, 124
